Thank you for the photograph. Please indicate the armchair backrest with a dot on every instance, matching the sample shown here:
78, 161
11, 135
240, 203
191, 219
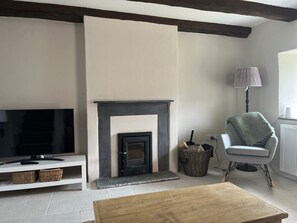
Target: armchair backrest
233, 135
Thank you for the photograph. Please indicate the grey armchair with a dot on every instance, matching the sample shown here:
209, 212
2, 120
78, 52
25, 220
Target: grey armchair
238, 152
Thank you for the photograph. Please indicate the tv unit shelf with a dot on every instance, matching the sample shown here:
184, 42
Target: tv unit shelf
74, 172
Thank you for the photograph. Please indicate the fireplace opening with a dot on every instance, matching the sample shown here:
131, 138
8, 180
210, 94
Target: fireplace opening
135, 153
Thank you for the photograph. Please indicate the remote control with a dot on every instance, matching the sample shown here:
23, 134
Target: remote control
28, 162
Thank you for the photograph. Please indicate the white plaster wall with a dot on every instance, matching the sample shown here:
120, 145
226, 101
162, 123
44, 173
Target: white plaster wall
128, 60
206, 97
263, 46
42, 66
287, 83
134, 123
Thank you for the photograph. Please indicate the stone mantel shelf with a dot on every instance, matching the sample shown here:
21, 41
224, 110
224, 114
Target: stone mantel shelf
135, 101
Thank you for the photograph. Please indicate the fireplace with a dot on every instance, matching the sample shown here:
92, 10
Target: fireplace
135, 153
107, 110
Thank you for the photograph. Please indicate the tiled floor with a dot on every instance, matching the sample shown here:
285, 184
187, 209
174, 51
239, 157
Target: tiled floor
68, 204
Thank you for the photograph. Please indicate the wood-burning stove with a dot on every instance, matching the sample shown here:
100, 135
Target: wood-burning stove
135, 153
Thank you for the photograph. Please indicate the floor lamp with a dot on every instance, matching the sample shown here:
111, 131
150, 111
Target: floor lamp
246, 78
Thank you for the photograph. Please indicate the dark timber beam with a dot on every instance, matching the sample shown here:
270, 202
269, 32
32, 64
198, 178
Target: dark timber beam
233, 6
75, 14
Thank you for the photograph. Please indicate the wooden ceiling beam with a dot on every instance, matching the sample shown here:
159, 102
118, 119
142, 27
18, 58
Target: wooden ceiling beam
75, 14
233, 6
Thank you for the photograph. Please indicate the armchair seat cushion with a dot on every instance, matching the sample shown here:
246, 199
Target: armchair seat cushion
247, 150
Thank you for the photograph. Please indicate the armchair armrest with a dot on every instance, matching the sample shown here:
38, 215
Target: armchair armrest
271, 145
226, 140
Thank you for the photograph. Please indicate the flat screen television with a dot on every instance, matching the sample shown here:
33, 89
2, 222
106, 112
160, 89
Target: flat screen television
36, 132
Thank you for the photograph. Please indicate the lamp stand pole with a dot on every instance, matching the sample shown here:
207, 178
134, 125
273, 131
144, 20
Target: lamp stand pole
247, 99
245, 166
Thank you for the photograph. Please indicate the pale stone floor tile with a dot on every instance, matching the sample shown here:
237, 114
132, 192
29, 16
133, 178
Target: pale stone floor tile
70, 204
162, 186
24, 205
119, 191
86, 215
72, 217
143, 188
75, 200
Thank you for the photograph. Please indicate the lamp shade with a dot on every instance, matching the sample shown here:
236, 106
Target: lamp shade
3, 116
247, 77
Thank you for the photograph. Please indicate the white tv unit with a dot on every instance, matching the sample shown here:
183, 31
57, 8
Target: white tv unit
69, 177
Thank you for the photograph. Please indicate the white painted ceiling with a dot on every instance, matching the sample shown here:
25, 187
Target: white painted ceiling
173, 12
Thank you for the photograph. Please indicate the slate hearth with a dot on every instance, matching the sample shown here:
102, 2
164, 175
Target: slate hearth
135, 180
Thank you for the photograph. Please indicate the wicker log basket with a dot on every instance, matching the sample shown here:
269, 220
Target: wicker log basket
50, 175
194, 160
24, 177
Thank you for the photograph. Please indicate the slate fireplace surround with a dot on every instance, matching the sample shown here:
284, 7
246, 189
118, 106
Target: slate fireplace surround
107, 109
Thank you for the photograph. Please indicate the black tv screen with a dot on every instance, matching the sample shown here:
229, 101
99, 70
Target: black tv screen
36, 132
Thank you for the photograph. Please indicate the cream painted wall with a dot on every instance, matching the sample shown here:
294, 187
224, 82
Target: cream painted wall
263, 46
42, 66
287, 82
128, 60
206, 97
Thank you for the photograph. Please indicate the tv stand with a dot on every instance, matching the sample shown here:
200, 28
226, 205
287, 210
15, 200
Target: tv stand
74, 172
33, 158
